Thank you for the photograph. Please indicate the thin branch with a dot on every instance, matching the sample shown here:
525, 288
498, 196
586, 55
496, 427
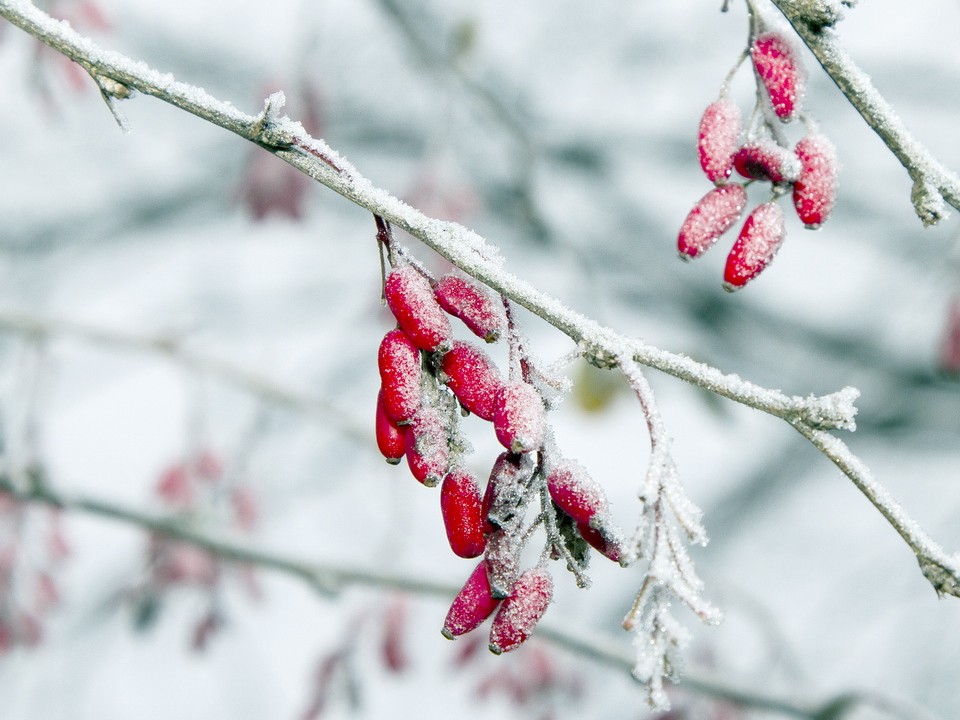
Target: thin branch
472, 254
329, 580
934, 185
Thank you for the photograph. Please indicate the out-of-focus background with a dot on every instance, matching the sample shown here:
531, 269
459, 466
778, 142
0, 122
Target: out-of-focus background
564, 132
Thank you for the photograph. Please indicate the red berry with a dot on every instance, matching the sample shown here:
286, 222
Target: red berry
520, 418
473, 378
521, 611
719, 131
816, 189
471, 303
390, 436
765, 160
399, 363
460, 506
710, 218
472, 606
581, 497
759, 239
779, 68
427, 450
418, 314
503, 561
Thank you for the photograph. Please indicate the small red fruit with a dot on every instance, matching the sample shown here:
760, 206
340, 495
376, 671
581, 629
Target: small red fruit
520, 418
390, 436
471, 303
717, 141
460, 506
426, 447
412, 302
779, 68
765, 160
759, 239
504, 492
399, 363
472, 606
580, 496
521, 611
473, 378
710, 218
816, 189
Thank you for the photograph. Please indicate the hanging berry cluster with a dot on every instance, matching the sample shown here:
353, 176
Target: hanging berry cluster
429, 380
808, 170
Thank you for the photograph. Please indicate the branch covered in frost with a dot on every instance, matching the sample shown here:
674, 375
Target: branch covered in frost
470, 252
934, 186
329, 580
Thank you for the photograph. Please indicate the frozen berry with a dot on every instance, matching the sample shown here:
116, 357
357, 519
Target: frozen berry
521, 611
765, 160
712, 216
473, 378
719, 131
472, 606
390, 436
520, 418
759, 239
460, 506
580, 496
427, 448
473, 304
816, 189
779, 68
399, 363
413, 304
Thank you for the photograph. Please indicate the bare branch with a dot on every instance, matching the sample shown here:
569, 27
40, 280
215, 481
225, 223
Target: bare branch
934, 186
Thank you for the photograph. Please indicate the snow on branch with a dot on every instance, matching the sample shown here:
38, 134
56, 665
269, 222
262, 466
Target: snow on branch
934, 186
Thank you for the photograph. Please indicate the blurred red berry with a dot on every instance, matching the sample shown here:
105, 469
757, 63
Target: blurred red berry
710, 218
765, 160
413, 304
759, 239
815, 190
719, 132
779, 68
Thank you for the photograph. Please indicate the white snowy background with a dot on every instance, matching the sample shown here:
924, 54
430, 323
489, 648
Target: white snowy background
146, 234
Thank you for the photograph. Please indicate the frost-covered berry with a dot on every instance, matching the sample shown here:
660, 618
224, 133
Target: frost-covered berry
519, 613
520, 418
765, 160
473, 377
503, 498
471, 303
759, 239
427, 449
472, 606
779, 68
815, 190
710, 218
503, 560
580, 496
399, 363
390, 436
717, 141
413, 304
460, 506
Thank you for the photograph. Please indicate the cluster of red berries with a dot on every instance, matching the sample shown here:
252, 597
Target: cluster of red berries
809, 170
425, 375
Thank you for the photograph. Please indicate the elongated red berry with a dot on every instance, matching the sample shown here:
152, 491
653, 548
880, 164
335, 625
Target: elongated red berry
427, 448
390, 436
413, 304
503, 561
519, 419
503, 498
473, 377
519, 613
717, 141
473, 304
816, 189
759, 239
780, 69
765, 160
710, 218
399, 363
472, 605
460, 506
580, 496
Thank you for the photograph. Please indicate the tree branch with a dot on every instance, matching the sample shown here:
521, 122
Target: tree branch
934, 186
472, 254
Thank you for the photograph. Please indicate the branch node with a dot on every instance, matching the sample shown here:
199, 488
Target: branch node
267, 128
928, 201
944, 580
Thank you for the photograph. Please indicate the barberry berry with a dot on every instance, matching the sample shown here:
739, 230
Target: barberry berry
758, 242
710, 218
473, 378
766, 160
779, 68
399, 363
427, 448
580, 496
460, 505
472, 605
390, 436
815, 190
504, 492
519, 419
521, 611
471, 303
413, 304
717, 141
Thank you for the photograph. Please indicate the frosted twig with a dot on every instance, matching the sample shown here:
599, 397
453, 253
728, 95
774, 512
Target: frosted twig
934, 186
471, 253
